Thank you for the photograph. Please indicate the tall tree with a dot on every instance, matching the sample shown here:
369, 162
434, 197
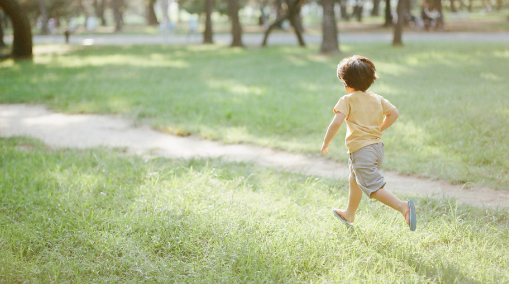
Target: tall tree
342, 10
452, 6
99, 8
292, 13
150, 13
116, 5
329, 29
437, 5
296, 21
236, 31
22, 43
398, 28
2, 43
376, 8
208, 34
357, 10
388, 14
44, 17
279, 12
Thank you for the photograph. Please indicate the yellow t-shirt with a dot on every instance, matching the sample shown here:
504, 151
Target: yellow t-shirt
364, 116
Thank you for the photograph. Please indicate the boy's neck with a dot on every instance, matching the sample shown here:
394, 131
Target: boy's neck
351, 91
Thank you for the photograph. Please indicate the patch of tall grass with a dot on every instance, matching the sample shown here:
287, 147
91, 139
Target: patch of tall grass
104, 216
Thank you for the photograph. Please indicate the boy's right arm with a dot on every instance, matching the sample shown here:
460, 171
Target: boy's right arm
333, 129
390, 118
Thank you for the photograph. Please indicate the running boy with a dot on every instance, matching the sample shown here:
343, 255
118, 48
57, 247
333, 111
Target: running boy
364, 115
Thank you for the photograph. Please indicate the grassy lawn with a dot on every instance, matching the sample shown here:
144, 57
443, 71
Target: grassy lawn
102, 216
452, 98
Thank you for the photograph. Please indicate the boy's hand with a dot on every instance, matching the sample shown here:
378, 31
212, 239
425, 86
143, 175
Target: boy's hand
324, 147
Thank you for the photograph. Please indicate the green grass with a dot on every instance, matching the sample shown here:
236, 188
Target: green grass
454, 114
102, 216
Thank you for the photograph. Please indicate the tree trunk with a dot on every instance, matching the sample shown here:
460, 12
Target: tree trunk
22, 43
99, 7
279, 13
388, 14
44, 17
150, 13
342, 9
499, 5
261, 19
294, 17
208, 33
277, 23
233, 6
437, 5
376, 8
453, 7
117, 14
2, 43
291, 13
329, 29
398, 28
357, 10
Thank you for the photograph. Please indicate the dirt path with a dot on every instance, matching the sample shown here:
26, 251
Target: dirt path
83, 131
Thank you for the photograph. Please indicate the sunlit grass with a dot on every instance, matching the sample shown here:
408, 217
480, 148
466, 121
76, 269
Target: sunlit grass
103, 216
454, 120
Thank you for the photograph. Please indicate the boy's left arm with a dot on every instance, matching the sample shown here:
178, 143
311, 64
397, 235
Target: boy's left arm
333, 129
390, 118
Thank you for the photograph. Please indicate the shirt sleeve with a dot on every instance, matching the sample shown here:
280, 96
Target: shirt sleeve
386, 105
342, 106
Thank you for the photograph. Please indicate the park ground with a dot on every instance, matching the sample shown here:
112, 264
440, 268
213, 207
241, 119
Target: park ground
102, 215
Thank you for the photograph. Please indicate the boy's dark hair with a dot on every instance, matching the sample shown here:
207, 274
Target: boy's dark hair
357, 72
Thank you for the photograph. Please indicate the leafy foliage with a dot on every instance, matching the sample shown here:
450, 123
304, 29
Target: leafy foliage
198, 6
55, 8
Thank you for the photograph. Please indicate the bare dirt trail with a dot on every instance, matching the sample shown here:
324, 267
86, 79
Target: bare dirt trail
85, 131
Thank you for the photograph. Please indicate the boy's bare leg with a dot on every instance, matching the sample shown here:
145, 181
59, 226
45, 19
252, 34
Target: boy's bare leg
353, 201
389, 199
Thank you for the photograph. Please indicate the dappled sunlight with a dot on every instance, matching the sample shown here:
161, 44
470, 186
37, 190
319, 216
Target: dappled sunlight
492, 77
114, 217
297, 60
281, 96
119, 104
9, 64
392, 69
74, 61
413, 135
234, 87
318, 58
206, 47
501, 53
114, 105
46, 77
236, 134
310, 87
80, 183
442, 57
291, 50
56, 49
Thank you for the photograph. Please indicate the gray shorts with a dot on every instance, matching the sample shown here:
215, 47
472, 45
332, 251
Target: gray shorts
365, 166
